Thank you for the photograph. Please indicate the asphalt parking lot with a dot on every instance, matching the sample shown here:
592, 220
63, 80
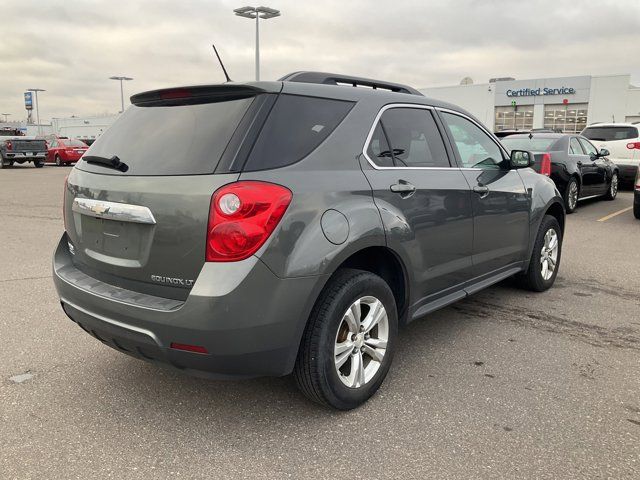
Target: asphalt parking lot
506, 384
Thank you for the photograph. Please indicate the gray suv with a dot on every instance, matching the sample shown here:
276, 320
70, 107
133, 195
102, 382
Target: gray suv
269, 228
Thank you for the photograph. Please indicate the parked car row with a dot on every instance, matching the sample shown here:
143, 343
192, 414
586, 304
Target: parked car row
15, 147
578, 169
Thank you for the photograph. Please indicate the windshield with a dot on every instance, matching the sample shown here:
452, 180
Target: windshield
607, 134
176, 140
535, 144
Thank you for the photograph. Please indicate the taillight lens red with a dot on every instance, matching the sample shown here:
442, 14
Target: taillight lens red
8, 144
545, 164
633, 145
241, 218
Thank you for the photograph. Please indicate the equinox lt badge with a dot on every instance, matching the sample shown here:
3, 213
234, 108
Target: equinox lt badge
179, 282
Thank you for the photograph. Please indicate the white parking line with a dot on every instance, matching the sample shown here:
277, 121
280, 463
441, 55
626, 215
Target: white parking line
604, 219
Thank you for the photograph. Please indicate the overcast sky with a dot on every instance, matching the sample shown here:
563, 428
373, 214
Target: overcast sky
71, 47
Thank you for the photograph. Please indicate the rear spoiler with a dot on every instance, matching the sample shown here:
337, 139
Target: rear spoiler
195, 95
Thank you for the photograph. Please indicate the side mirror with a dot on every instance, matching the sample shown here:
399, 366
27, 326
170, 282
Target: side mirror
521, 159
603, 152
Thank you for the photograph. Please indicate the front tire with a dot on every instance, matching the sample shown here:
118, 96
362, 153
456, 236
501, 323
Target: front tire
612, 191
348, 344
38, 163
571, 195
545, 259
58, 161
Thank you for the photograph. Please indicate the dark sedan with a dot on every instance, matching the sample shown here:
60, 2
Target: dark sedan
578, 169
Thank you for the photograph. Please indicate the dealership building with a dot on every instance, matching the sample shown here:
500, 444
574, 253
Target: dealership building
566, 103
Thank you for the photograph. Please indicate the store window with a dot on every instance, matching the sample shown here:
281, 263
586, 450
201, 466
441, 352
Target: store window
570, 118
514, 118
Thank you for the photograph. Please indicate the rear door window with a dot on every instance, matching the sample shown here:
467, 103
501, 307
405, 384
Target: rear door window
574, 147
608, 134
414, 139
169, 140
296, 126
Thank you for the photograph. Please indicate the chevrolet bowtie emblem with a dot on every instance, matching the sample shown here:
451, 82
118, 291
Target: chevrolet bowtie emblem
99, 209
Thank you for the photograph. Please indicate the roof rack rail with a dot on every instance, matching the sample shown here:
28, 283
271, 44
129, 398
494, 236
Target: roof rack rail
347, 80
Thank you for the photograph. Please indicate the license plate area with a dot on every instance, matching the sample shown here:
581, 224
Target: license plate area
115, 242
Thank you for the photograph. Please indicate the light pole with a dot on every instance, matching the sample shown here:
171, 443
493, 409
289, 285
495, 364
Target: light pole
36, 90
5, 116
258, 13
121, 89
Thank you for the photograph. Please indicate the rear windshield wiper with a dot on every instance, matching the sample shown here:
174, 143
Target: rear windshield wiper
112, 162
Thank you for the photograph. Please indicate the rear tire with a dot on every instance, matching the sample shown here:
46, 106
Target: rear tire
636, 210
571, 195
336, 363
539, 277
612, 191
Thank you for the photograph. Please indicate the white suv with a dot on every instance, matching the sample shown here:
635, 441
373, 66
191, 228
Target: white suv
623, 142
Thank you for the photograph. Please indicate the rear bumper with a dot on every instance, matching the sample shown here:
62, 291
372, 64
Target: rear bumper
249, 320
24, 155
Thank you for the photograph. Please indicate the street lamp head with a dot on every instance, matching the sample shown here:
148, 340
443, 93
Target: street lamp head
247, 12
253, 12
266, 12
36, 90
120, 78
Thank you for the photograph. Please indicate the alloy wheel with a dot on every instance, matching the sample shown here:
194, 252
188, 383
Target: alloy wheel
614, 186
573, 195
361, 341
549, 254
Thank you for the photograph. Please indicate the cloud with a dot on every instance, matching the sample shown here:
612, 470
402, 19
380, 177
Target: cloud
71, 49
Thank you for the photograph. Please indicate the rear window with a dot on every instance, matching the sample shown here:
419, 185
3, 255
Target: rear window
176, 140
608, 134
296, 126
74, 143
532, 144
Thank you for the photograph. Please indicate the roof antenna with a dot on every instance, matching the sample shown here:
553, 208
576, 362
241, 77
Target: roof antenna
221, 64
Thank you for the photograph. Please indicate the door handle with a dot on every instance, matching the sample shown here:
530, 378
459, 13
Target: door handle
404, 188
481, 190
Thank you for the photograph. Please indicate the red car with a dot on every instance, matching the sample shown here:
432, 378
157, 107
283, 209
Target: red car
63, 151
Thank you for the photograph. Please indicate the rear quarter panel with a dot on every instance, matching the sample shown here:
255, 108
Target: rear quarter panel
330, 178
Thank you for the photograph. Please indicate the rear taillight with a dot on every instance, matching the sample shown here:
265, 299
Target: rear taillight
64, 201
633, 146
241, 218
545, 164
8, 144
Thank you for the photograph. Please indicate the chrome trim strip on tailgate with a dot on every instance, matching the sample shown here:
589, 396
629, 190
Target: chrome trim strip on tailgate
113, 211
